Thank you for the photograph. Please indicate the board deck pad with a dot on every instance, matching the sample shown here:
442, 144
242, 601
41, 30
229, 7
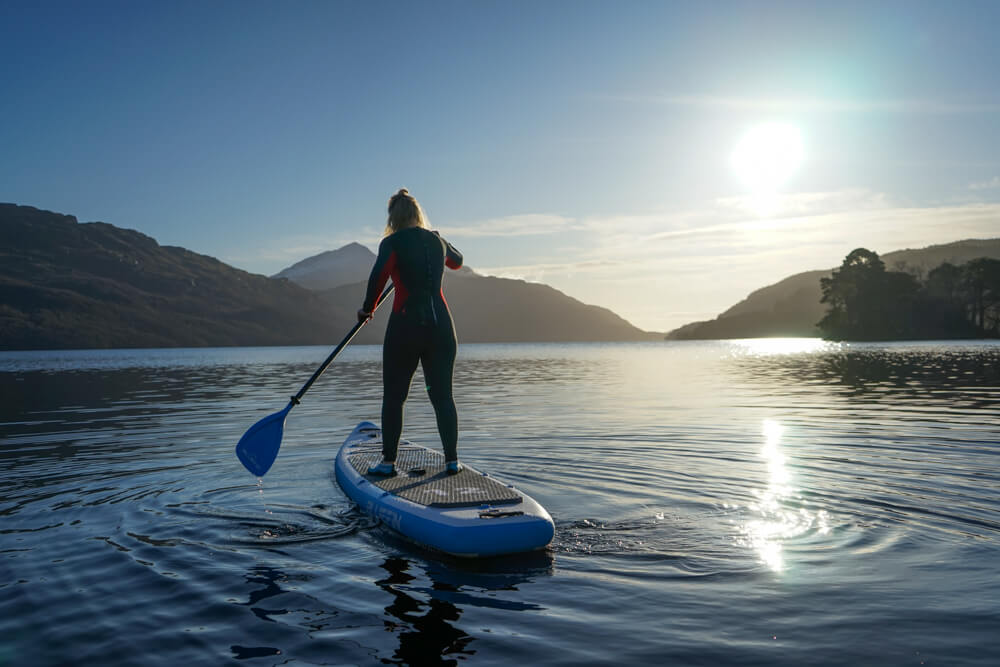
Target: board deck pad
434, 487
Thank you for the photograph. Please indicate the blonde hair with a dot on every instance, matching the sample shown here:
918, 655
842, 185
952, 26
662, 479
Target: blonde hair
404, 212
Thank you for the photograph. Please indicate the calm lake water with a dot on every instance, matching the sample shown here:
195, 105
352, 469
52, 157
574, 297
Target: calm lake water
772, 502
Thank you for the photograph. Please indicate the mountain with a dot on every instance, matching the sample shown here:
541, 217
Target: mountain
331, 268
342, 266
791, 307
483, 307
64, 284
501, 310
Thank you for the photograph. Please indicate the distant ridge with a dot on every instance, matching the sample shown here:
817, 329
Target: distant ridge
485, 309
502, 310
66, 284
791, 307
331, 268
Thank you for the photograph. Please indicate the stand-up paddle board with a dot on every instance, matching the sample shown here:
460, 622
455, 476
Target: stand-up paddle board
468, 514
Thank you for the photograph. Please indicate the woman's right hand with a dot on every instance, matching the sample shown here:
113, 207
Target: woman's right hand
363, 315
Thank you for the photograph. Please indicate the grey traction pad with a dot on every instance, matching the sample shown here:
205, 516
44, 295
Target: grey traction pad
433, 488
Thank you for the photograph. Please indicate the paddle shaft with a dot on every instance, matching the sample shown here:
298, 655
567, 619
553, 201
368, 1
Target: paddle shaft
333, 355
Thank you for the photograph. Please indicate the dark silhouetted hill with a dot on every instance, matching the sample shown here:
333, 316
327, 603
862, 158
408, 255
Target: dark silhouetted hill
64, 284
485, 309
501, 310
791, 307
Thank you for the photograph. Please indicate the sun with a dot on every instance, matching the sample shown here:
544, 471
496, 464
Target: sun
765, 159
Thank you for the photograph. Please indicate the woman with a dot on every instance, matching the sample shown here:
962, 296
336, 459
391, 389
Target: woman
420, 327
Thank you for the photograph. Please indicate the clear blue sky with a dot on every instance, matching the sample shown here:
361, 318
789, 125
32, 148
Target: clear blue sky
585, 145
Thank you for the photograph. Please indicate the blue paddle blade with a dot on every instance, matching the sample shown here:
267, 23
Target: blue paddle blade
259, 446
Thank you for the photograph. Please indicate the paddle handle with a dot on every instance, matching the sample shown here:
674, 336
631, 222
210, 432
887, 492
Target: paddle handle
333, 355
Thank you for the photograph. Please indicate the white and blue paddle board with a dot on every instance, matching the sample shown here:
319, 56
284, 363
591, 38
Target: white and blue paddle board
469, 514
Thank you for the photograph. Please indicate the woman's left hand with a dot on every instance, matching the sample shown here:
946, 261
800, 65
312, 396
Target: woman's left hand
363, 315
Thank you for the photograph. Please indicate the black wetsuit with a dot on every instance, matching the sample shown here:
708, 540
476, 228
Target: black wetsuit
420, 329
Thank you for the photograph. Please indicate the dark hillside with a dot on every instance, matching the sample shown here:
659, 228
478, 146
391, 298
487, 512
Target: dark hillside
501, 310
65, 284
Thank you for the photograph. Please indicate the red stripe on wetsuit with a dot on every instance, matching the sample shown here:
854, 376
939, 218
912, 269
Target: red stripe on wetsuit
390, 270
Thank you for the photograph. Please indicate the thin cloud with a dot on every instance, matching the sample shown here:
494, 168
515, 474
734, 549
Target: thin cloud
813, 104
532, 224
536, 272
630, 233
992, 184
810, 203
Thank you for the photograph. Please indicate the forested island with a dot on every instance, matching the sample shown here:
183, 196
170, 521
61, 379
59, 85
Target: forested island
792, 307
867, 302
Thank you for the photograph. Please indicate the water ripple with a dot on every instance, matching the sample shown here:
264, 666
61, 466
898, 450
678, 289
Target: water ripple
780, 502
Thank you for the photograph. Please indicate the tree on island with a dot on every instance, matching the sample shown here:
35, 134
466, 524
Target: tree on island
867, 302
982, 284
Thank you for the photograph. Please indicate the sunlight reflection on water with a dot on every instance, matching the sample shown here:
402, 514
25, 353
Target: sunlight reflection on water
772, 346
693, 476
776, 519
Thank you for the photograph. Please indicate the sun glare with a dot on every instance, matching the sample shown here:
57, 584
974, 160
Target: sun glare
764, 159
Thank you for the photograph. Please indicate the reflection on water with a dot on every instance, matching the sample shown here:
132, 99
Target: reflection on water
938, 374
704, 477
424, 638
267, 578
762, 347
777, 519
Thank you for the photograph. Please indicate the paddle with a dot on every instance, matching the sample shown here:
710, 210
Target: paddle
258, 447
